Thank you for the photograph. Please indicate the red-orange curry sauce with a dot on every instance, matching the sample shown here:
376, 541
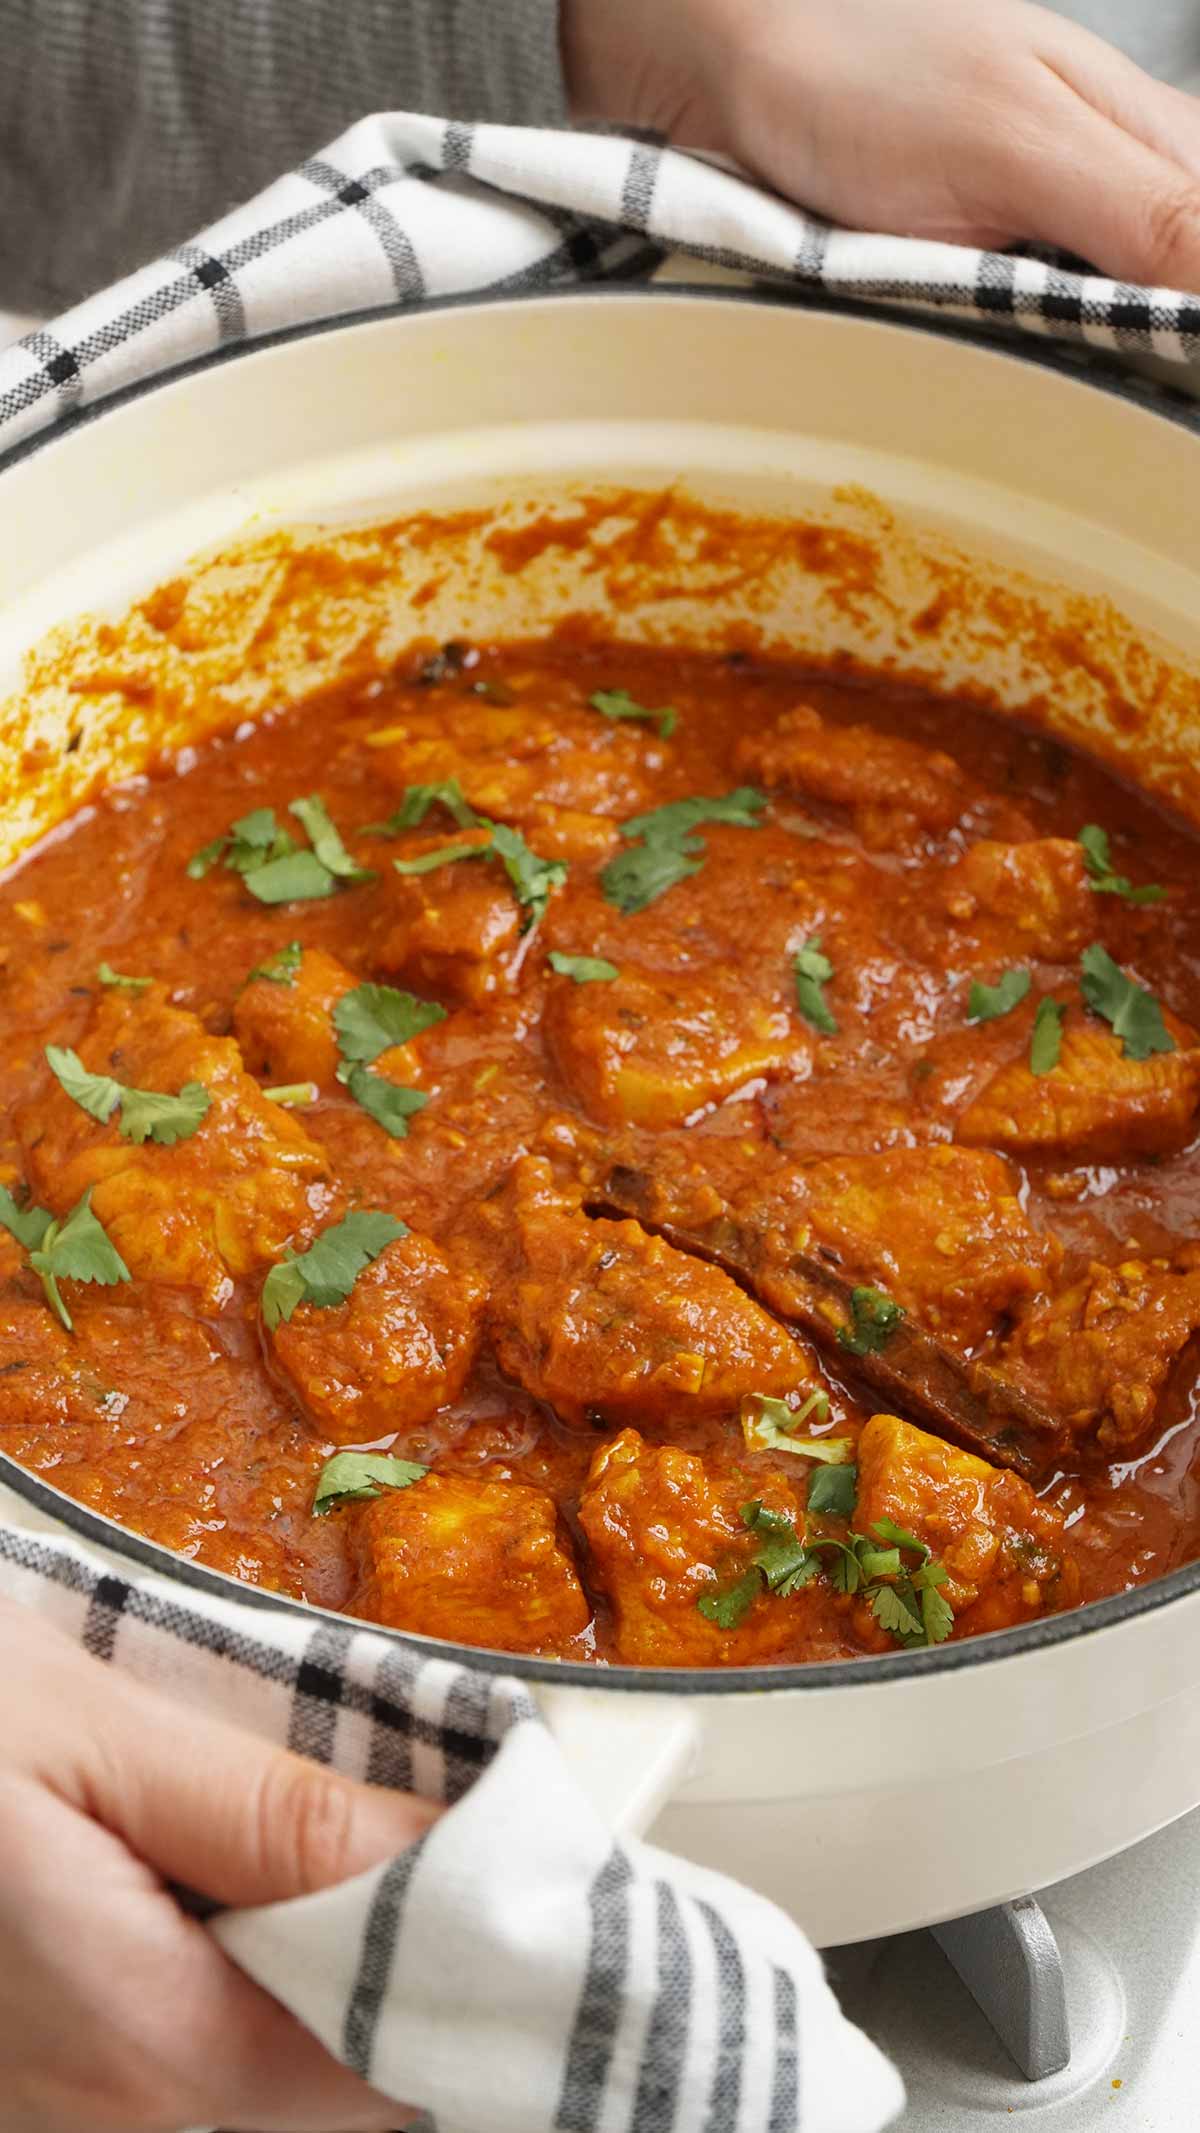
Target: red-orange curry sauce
880, 1020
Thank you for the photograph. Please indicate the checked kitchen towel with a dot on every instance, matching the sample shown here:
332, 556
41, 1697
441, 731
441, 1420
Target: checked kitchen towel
517, 1970
403, 208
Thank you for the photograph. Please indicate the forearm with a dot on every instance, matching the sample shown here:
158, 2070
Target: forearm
127, 124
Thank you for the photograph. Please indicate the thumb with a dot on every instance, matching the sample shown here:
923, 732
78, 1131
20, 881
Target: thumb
229, 1816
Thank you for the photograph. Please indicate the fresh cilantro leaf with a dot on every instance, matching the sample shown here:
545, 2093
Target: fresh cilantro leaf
1098, 860
874, 1319
639, 877
1045, 1045
250, 842
325, 1274
886, 1529
76, 1249
295, 877
416, 803
783, 1557
313, 814
27, 1224
387, 1102
1134, 1013
585, 969
833, 1492
728, 1609
293, 1094
148, 1116
145, 1114
986, 1003
97, 1094
357, 1477
532, 878
281, 969
937, 1616
669, 850
205, 859
813, 972
108, 976
894, 1613
372, 1018
618, 704
444, 856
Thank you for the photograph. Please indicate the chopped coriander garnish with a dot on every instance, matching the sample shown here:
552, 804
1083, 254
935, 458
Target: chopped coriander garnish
444, 856
813, 972
389, 1103
728, 1609
144, 1114
281, 969
1098, 860
618, 704
416, 803
372, 1018
669, 849
325, 1274
77, 1248
833, 1491
1134, 1013
293, 1095
785, 1561
108, 976
585, 969
358, 1477
986, 1003
274, 867
873, 1320
1045, 1045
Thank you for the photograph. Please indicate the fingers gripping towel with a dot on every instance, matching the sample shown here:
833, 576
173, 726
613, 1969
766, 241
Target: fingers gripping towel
517, 1970
403, 208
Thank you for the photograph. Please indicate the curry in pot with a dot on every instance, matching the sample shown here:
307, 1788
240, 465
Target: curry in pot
617, 1154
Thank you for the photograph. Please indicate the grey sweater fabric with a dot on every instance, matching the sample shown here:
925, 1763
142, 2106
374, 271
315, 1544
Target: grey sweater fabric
126, 125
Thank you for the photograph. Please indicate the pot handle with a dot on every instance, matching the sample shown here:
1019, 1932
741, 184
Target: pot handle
628, 1754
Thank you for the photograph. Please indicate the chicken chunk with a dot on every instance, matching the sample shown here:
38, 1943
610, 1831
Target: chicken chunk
599, 1318
664, 1533
1004, 1551
286, 1031
898, 793
511, 759
1095, 1104
1102, 1353
455, 930
479, 1562
396, 1350
652, 1049
1008, 901
216, 1205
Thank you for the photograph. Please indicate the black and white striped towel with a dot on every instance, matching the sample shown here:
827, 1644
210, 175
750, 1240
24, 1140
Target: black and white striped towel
518, 1970
403, 208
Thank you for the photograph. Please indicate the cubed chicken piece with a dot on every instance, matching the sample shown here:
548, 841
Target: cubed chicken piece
286, 1031
599, 1319
1103, 1353
478, 1562
651, 1049
511, 759
941, 1230
1003, 1550
455, 930
564, 833
1008, 901
396, 1350
664, 1533
898, 792
1095, 1104
215, 1206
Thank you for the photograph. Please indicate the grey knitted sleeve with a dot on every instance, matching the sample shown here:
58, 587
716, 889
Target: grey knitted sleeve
125, 125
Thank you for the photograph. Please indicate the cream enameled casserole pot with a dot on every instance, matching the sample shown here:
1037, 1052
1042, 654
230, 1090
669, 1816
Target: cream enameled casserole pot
1064, 520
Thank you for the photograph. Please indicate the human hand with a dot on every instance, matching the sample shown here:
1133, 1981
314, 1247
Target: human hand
979, 122
118, 2013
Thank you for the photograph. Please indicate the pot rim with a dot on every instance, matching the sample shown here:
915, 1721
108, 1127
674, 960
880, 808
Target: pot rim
1160, 403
